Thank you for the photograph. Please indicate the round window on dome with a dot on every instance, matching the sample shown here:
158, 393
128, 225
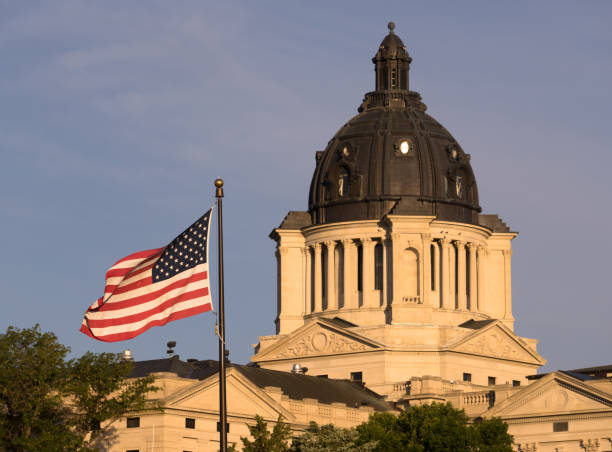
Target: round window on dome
404, 147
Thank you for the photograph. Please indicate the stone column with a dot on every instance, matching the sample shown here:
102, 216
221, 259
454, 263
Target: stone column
368, 271
508, 284
350, 274
307, 280
332, 296
482, 279
318, 299
425, 264
445, 278
461, 275
473, 278
436, 256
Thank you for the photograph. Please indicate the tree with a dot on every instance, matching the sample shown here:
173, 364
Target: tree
433, 428
50, 404
263, 440
329, 438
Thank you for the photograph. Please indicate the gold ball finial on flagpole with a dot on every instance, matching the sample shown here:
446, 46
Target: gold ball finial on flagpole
219, 185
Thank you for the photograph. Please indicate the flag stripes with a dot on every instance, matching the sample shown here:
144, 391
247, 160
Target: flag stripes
153, 287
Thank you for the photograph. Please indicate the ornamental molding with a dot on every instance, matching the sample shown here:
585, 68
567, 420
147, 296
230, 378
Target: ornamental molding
497, 341
556, 396
321, 342
320, 337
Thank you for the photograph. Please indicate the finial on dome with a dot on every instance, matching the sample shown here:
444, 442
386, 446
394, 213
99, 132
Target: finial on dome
391, 27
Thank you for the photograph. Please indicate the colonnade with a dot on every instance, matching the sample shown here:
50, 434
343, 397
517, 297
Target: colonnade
350, 274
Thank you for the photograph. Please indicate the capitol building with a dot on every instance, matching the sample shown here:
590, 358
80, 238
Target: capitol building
394, 288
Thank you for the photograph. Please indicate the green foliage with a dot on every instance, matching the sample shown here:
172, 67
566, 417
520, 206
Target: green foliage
329, 438
50, 404
491, 435
434, 428
263, 440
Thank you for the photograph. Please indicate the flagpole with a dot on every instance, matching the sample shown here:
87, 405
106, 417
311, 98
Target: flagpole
222, 392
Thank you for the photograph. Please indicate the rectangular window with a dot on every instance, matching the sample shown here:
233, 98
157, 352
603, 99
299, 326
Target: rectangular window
133, 422
189, 422
378, 267
132, 450
467, 377
560, 427
516, 383
393, 79
359, 268
357, 376
322, 376
491, 381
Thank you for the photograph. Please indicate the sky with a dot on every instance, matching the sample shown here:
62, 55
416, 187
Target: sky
116, 117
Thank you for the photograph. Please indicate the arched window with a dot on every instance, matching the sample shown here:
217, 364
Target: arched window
343, 183
378, 267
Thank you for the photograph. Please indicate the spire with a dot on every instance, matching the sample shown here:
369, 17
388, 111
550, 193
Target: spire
392, 63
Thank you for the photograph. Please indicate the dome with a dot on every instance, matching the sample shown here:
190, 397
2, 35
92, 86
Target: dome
392, 157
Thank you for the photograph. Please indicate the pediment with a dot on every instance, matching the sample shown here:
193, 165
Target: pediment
499, 342
318, 338
243, 398
553, 395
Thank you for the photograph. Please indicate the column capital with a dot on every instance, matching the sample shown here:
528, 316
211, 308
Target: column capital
507, 252
459, 243
282, 250
366, 241
316, 247
330, 244
472, 246
305, 250
444, 241
483, 250
346, 242
426, 238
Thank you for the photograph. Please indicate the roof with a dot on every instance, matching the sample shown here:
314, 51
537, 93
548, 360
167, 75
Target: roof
392, 158
476, 324
293, 385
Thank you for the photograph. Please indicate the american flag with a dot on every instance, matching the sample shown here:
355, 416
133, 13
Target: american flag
154, 287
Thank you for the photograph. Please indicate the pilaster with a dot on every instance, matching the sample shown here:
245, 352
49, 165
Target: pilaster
445, 279
350, 274
318, 299
461, 275
368, 272
332, 295
473, 293
482, 280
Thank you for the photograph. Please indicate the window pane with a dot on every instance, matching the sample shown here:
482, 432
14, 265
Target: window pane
189, 423
133, 422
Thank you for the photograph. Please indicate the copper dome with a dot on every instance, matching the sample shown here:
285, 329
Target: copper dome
393, 157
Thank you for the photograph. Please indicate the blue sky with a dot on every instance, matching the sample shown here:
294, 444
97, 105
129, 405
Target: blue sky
116, 117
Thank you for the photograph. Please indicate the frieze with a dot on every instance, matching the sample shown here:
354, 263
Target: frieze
494, 344
321, 342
